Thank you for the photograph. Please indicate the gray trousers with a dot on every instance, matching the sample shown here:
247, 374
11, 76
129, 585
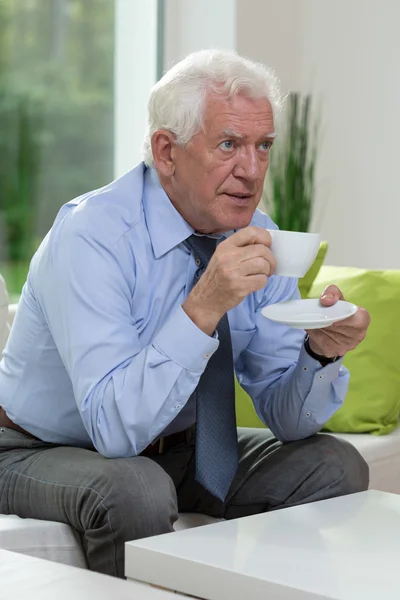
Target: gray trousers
110, 501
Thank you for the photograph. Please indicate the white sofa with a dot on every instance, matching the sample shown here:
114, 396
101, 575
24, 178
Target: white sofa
58, 542
25, 577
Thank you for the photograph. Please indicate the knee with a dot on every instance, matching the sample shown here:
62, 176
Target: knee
138, 496
347, 465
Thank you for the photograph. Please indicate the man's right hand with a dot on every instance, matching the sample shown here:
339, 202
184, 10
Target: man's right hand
240, 266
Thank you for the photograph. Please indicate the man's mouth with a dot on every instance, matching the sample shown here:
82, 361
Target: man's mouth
240, 198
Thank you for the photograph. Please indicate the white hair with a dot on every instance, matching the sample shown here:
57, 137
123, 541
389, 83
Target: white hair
177, 101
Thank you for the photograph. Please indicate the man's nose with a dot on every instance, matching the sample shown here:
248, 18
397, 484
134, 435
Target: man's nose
248, 165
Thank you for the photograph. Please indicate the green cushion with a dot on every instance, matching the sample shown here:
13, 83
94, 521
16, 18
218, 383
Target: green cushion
373, 400
246, 416
305, 283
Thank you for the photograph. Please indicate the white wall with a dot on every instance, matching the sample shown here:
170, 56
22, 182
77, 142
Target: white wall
135, 68
346, 52
267, 31
192, 25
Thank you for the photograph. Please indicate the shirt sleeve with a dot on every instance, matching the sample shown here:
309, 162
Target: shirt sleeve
126, 394
291, 391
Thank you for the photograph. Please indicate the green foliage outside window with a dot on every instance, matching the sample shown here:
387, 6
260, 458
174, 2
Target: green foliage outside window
56, 116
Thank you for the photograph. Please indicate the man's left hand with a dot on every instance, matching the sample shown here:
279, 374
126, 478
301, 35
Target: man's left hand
343, 336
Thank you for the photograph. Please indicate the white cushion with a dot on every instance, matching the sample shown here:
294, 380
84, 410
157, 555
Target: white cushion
188, 520
59, 542
28, 578
44, 539
382, 454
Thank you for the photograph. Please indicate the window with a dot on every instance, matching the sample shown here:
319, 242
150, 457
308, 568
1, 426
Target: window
56, 116
74, 81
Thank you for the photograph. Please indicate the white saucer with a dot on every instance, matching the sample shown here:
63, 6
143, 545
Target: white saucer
309, 313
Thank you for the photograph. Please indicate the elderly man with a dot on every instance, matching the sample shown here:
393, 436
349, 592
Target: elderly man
117, 382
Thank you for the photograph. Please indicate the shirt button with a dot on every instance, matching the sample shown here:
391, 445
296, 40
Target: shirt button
305, 369
308, 414
321, 376
177, 406
207, 355
198, 262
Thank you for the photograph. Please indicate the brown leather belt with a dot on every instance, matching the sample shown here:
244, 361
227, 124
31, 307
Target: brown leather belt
159, 447
5, 421
164, 444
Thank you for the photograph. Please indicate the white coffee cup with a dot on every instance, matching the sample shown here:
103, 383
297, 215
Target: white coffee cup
294, 251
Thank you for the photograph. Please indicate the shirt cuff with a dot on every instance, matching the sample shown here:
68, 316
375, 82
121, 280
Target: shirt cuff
184, 343
312, 369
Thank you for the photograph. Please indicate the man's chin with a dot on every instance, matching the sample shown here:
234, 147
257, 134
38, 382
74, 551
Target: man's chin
241, 218
235, 222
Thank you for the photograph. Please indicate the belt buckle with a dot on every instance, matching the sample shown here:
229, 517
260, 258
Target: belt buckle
161, 445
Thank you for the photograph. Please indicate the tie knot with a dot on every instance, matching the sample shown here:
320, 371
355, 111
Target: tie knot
203, 247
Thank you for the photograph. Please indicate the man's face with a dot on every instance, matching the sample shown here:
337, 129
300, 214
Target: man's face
219, 175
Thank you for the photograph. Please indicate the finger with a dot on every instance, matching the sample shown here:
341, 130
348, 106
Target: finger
258, 251
359, 321
343, 339
364, 317
334, 336
250, 235
255, 283
329, 345
256, 266
331, 295
254, 251
343, 336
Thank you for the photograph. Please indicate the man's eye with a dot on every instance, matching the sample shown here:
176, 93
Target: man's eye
226, 145
265, 146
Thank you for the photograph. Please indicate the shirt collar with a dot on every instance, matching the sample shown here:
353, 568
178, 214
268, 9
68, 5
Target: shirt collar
166, 227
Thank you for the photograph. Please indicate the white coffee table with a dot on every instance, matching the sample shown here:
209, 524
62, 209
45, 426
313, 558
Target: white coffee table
346, 548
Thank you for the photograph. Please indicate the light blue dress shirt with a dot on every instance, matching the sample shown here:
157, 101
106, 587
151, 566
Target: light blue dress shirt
101, 352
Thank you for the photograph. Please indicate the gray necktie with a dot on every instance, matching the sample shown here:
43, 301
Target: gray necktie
216, 433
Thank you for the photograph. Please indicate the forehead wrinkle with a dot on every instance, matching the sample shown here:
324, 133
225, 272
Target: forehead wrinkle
240, 118
232, 133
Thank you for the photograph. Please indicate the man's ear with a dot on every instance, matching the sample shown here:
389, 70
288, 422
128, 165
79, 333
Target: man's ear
163, 148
